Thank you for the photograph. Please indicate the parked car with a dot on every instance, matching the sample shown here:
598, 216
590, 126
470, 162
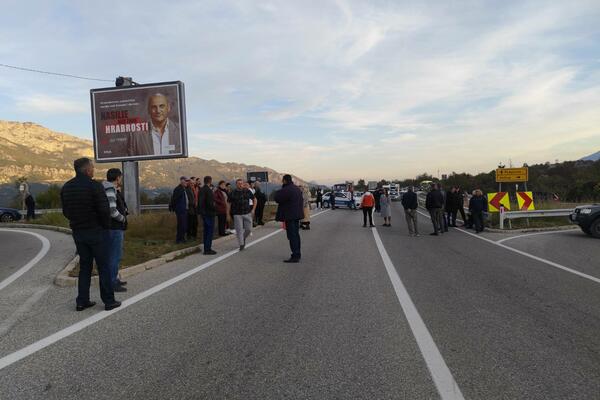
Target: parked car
341, 200
9, 215
588, 219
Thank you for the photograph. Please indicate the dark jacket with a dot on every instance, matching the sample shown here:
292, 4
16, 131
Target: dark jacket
290, 203
85, 203
409, 201
206, 202
261, 198
178, 202
435, 199
30, 202
477, 204
451, 201
122, 207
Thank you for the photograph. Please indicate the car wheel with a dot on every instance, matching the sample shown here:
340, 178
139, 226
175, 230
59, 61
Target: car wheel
325, 204
595, 228
6, 218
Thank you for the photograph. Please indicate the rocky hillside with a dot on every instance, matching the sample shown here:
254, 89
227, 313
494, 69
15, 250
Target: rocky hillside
46, 156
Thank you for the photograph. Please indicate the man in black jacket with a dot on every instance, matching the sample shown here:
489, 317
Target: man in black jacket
410, 204
206, 207
261, 200
86, 207
180, 204
30, 204
290, 210
434, 204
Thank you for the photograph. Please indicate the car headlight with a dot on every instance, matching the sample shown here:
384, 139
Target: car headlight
585, 211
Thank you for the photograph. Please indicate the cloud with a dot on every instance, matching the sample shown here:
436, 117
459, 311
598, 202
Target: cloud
47, 104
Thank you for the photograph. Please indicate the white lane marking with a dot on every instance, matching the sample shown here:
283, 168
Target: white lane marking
55, 337
32, 262
23, 309
442, 377
523, 253
533, 234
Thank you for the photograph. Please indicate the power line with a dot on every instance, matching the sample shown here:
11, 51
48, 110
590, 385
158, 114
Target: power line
56, 73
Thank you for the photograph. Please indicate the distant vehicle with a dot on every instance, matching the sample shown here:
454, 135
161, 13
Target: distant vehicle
372, 185
9, 215
358, 198
588, 219
341, 200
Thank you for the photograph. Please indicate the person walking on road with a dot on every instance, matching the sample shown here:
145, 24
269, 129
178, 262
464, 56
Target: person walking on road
377, 196
180, 203
410, 204
86, 207
477, 206
332, 199
434, 203
385, 203
222, 208
367, 203
118, 224
290, 211
243, 204
206, 208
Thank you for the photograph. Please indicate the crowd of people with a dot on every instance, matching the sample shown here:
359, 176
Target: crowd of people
97, 214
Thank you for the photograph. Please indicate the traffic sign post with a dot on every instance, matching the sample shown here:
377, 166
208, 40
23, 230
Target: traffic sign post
512, 175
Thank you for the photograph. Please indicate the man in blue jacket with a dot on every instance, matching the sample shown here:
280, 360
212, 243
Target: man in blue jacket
290, 211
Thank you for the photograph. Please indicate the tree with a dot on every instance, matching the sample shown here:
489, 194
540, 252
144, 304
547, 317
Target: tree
50, 198
361, 186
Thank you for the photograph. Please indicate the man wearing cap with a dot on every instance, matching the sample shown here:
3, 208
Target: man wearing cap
180, 203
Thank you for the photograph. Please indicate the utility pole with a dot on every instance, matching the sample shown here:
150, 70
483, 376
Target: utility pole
131, 169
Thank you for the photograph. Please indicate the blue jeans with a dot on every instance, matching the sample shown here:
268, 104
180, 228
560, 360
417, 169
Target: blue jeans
115, 252
208, 228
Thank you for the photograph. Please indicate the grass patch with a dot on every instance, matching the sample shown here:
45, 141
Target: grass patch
53, 219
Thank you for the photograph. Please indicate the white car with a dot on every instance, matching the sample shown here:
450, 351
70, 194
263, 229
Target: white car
341, 200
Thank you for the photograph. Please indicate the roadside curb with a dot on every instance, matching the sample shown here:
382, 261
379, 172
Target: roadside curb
64, 280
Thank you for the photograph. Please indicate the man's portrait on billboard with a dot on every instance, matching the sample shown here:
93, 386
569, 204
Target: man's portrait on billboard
163, 136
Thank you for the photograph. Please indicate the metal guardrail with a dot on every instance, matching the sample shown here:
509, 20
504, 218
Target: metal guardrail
510, 215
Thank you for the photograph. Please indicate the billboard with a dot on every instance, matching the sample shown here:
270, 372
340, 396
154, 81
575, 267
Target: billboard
512, 174
262, 176
141, 122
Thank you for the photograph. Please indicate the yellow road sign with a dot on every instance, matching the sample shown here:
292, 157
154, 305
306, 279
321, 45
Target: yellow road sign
495, 200
512, 174
525, 200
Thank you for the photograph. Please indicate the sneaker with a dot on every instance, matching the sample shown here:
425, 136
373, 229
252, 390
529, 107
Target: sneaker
112, 306
434, 234
209, 252
86, 305
242, 247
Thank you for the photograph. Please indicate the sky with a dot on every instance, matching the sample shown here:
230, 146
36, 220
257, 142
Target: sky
327, 90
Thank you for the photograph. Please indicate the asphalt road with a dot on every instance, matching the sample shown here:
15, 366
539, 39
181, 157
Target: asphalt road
16, 249
335, 326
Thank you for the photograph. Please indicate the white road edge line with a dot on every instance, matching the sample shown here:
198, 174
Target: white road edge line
523, 253
440, 373
68, 331
32, 262
533, 234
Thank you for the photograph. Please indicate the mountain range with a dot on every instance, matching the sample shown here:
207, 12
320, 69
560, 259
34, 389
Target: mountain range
592, 157
45, 156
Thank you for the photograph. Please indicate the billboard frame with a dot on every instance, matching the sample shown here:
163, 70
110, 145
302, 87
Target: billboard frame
182, 122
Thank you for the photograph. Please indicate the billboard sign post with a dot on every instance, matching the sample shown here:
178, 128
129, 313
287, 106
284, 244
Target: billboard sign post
138, 122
